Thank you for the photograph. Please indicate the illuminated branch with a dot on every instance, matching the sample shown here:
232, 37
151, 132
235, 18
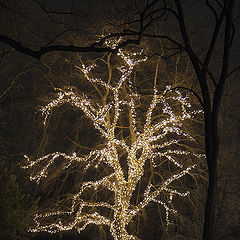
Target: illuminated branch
149, 140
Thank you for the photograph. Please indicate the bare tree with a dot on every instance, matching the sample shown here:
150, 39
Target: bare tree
210, 102
156, 140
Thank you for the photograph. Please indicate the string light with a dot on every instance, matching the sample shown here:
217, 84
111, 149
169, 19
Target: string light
150, 140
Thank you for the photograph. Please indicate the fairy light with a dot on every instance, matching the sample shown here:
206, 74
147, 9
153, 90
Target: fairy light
150, 140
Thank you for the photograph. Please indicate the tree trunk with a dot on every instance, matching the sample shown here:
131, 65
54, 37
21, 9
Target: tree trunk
212, 149
212, 154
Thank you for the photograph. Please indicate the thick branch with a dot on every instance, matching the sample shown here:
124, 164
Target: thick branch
185, 37
213, 40
67, 48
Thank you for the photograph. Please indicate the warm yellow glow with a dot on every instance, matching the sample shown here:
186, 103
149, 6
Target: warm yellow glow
146, 135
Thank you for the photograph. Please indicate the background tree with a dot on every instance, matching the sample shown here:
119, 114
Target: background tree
210, 102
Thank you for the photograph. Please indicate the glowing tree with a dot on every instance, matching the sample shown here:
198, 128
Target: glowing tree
154, 139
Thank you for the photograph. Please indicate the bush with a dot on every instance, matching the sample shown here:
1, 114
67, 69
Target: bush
16, 210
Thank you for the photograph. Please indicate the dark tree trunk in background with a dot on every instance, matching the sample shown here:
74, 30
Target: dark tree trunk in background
212, 150
211, 127
211, 107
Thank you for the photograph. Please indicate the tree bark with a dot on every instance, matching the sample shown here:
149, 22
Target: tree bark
211, 128
212, 152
